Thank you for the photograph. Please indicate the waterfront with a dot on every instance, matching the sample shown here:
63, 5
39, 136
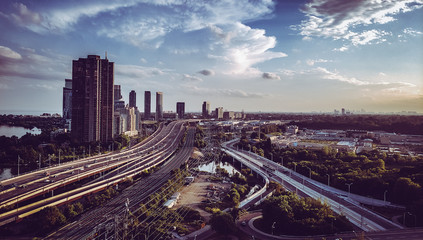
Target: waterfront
211, 167
5, 173
10, 131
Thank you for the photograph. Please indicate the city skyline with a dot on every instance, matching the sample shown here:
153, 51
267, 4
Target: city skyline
255, 56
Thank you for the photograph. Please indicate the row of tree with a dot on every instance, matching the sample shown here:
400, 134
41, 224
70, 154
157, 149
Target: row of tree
376, 174
286, 213
35, 151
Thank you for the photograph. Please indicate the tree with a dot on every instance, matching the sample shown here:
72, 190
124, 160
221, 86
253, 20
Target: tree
50, 217
406, 191
223, 223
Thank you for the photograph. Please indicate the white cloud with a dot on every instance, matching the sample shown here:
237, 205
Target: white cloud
342, 19
189, 78
362, 85
138, 72
407, 33
236, 93
31, 65
341, 49
311, 62
368, 37
6, 52
22, 15
238, 47
412, 32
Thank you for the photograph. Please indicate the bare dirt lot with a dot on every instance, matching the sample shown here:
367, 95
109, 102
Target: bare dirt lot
199, 190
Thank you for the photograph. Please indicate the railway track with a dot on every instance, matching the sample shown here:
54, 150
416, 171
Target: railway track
105, 217
141, 157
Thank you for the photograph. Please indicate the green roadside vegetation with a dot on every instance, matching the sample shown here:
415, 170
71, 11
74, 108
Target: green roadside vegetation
389, 123
374, 173
32, 148
285, 213
50, 218
199, 137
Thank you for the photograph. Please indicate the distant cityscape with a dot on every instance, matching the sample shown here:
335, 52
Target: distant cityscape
94, 108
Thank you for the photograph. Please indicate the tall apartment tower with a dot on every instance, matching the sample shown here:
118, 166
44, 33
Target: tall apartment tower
147, 105
180, 110
132, 99
219, 113
67, 100
206, 109
159, 106
92, 99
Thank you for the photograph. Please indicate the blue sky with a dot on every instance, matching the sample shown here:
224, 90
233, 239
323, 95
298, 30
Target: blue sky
276, 56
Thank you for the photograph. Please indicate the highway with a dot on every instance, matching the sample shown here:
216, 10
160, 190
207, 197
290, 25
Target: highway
358, 215
108, 220
121, 166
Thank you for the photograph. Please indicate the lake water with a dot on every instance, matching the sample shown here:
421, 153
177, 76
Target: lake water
211, 167
5, 173
9, 131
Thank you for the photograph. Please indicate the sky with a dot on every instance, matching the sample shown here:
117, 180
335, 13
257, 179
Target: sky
257, 55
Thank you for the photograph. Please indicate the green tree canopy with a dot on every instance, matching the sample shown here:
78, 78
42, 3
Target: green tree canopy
222, 223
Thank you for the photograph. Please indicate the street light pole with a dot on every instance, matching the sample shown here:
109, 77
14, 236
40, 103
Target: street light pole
384, 196
18, 165
309, 170
349, 187
273, 227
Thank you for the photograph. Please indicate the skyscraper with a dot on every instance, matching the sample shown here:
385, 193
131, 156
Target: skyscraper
147, 105
219, 112
132, 99
117, 92
92, 99
159, 106
67, 99
119, 102
206, 109
180, 109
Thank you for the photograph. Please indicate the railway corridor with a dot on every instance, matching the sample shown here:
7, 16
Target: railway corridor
122, 165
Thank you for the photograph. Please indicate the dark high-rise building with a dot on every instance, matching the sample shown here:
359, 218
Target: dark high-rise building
132, 99
67, 100
206, 109
159, 106
147, 105
92, 99
117, 92
180, 109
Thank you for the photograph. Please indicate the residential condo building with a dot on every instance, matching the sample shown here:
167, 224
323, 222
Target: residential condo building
92, 99
147, 105
180, 110
159, 106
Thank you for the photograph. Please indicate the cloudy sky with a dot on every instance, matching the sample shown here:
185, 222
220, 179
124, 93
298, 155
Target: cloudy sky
258, 55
